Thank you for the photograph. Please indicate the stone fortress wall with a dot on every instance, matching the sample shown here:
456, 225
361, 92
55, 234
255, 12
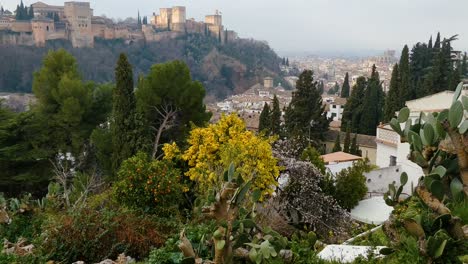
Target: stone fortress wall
75, 22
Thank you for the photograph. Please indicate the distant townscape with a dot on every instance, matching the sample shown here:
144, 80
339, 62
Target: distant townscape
75, 22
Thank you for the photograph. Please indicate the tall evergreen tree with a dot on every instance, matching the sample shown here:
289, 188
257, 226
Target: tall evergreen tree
437, 42
345, 88
429, 44
287, 62
353, 108
264, 120
275, 122
31, 12
123, 114
306, 108
347, 141
354, 149
393, 99
139, 18
321, 87
372, 106
405, 93
337, 146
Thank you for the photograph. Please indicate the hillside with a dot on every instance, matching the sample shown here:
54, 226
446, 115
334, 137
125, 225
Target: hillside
223, 69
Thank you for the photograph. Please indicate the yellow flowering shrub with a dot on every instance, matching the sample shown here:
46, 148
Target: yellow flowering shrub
214, 148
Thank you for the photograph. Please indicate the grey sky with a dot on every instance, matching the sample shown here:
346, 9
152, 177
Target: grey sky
315, 25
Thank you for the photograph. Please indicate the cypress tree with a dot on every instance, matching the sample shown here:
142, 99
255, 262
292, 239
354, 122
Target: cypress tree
347, 141
275, 122
287, 62
31, 12
264, 121
345, 88
283, 62
123, 114
353, 109
392, 101
372, 106
404, 70
305, 108
337, 146
429, 45
437, 42
226, 36
354, 149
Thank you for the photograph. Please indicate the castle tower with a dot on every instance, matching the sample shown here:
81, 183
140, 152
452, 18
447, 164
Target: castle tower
78, 15
41, 28
164, 19
214, 24
178, 18
268, 82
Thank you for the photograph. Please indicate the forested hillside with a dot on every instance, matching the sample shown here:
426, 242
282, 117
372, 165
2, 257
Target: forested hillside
223, 69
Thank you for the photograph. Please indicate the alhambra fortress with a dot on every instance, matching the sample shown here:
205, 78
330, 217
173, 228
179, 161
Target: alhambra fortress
76, 23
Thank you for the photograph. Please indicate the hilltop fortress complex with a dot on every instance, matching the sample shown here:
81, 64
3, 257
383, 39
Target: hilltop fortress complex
75, 22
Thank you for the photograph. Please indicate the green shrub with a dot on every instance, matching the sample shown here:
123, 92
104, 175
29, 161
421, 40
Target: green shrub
149, 185
91, 236
26, 225
351, 184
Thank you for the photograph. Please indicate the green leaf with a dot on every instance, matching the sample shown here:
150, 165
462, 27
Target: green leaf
443, 116
231, 171
440, 170
455, 114
220, 244
408, 125
396, 126
465, 102
458, 91
419, 159
440, 250
416, 142
248, 223
437, 189
403, 115
463, 127
440, 131
456, 188
243, 191
427, 135
403, 178
253, 255
256, 195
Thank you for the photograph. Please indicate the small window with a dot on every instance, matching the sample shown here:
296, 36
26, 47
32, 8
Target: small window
47, 28
393, 161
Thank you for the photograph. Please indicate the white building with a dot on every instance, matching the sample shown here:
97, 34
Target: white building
334, 107
392, 154
338, 161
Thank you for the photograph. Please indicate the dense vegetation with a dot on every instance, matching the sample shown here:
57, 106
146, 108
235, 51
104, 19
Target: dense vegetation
120, 173
232, 67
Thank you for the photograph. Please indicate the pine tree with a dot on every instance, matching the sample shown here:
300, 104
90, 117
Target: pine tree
123, 114
372, 106
345, 88
275, 122
264, 121
455, 76
393, 100
306, 108
405, 93
337, 146
347, 141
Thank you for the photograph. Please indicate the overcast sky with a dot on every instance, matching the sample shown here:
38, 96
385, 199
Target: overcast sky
315, 25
